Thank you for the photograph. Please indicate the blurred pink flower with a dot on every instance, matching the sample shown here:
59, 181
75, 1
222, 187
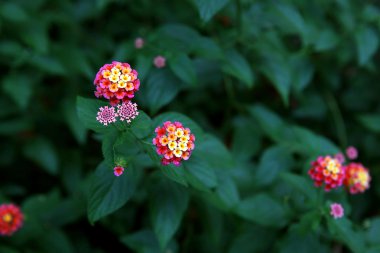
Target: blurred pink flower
139, 42
159, 61
118, 171
11, 219
127, 111
106, 115
336, 210
340, 157
352, 153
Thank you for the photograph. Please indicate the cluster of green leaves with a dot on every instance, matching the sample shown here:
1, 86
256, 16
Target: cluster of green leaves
265, 86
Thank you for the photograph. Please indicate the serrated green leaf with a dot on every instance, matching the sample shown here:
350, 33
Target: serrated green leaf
160, 89
141, 126
108, 193
87, 110
171, 171
199, 173
167, 207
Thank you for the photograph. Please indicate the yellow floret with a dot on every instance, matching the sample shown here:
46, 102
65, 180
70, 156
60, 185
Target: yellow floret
125, 78
121, 84
115, 71
172, 145
114, 78
177, 153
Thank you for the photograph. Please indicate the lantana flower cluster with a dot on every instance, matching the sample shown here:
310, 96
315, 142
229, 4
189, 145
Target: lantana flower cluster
11, 219
173, 142
333, 173
116, 82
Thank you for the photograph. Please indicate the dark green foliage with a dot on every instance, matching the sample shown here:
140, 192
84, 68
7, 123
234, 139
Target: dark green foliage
265, 86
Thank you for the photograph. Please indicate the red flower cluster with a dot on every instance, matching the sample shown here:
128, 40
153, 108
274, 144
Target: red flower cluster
11, 219
357, 178
327, 171
174, 143
116, 82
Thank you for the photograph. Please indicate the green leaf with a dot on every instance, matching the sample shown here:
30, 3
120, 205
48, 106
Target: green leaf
327, 39
367, 42
71, 117
143, 241
342, 229
274, 160
143, 66
13, 12
171, 171
370, 121
244, 148
292, 19
42, 152
237, 66
372, 234
207, 9
183, 68
227, 191
263, 210
87, 110
303, 71
108, 193
141, 126
277, 70
297, 139
208, 48
301, 185
19, 87
199, 173
168, 205
160, 89
214, 152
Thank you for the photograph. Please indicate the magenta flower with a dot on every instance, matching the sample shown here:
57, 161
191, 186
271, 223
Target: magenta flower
127, 111
139, 43
106, 115
336, 210
159, 61
118, 171
352, 153
340, 158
